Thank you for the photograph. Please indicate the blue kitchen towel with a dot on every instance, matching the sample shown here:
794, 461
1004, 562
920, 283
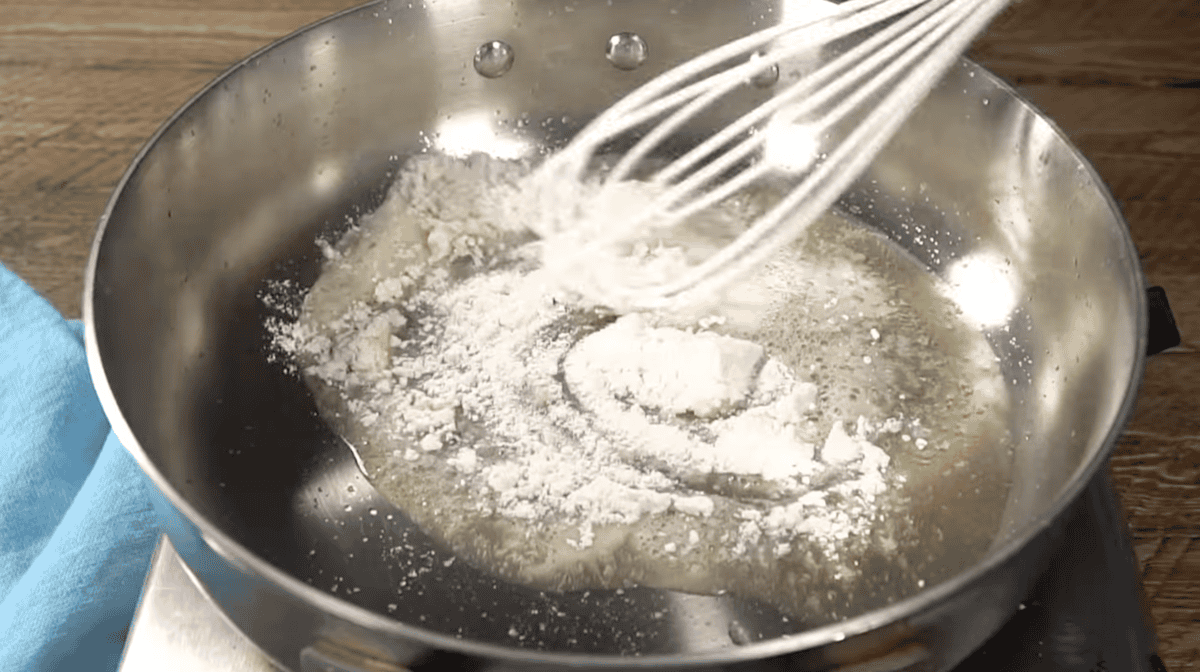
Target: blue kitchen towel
76, 524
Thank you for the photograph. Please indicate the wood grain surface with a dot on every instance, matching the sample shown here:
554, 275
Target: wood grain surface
83, 84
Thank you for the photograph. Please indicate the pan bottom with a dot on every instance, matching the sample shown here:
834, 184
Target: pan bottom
436, 350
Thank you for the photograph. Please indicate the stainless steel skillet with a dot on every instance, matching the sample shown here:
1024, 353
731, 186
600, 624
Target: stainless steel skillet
233, 190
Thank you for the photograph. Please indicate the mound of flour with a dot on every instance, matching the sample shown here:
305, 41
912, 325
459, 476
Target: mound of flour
451, 343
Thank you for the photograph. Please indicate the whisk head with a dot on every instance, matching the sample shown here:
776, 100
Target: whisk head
809, 140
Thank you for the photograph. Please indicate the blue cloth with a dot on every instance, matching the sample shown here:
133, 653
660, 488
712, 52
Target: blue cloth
76, 524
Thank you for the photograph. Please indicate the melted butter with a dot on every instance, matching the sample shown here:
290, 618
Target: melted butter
843, 282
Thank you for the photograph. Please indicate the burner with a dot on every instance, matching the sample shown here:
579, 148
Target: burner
1085, 614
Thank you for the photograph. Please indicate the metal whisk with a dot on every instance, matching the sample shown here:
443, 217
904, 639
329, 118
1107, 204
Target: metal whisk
852, 104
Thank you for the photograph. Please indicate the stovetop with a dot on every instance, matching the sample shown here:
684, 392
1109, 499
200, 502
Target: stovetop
1086, 613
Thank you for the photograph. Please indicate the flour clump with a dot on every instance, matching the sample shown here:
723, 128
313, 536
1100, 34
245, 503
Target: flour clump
670, 369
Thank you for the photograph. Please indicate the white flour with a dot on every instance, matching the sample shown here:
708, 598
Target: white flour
451, 343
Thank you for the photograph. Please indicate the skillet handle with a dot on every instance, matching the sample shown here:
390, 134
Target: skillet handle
325, 656
1162, 332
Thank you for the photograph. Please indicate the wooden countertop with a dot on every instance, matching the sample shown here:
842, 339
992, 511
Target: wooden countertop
83, 84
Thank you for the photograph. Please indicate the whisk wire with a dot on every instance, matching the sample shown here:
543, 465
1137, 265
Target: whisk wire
653, 98
708, 90
905, 33
871, 89
827, 181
